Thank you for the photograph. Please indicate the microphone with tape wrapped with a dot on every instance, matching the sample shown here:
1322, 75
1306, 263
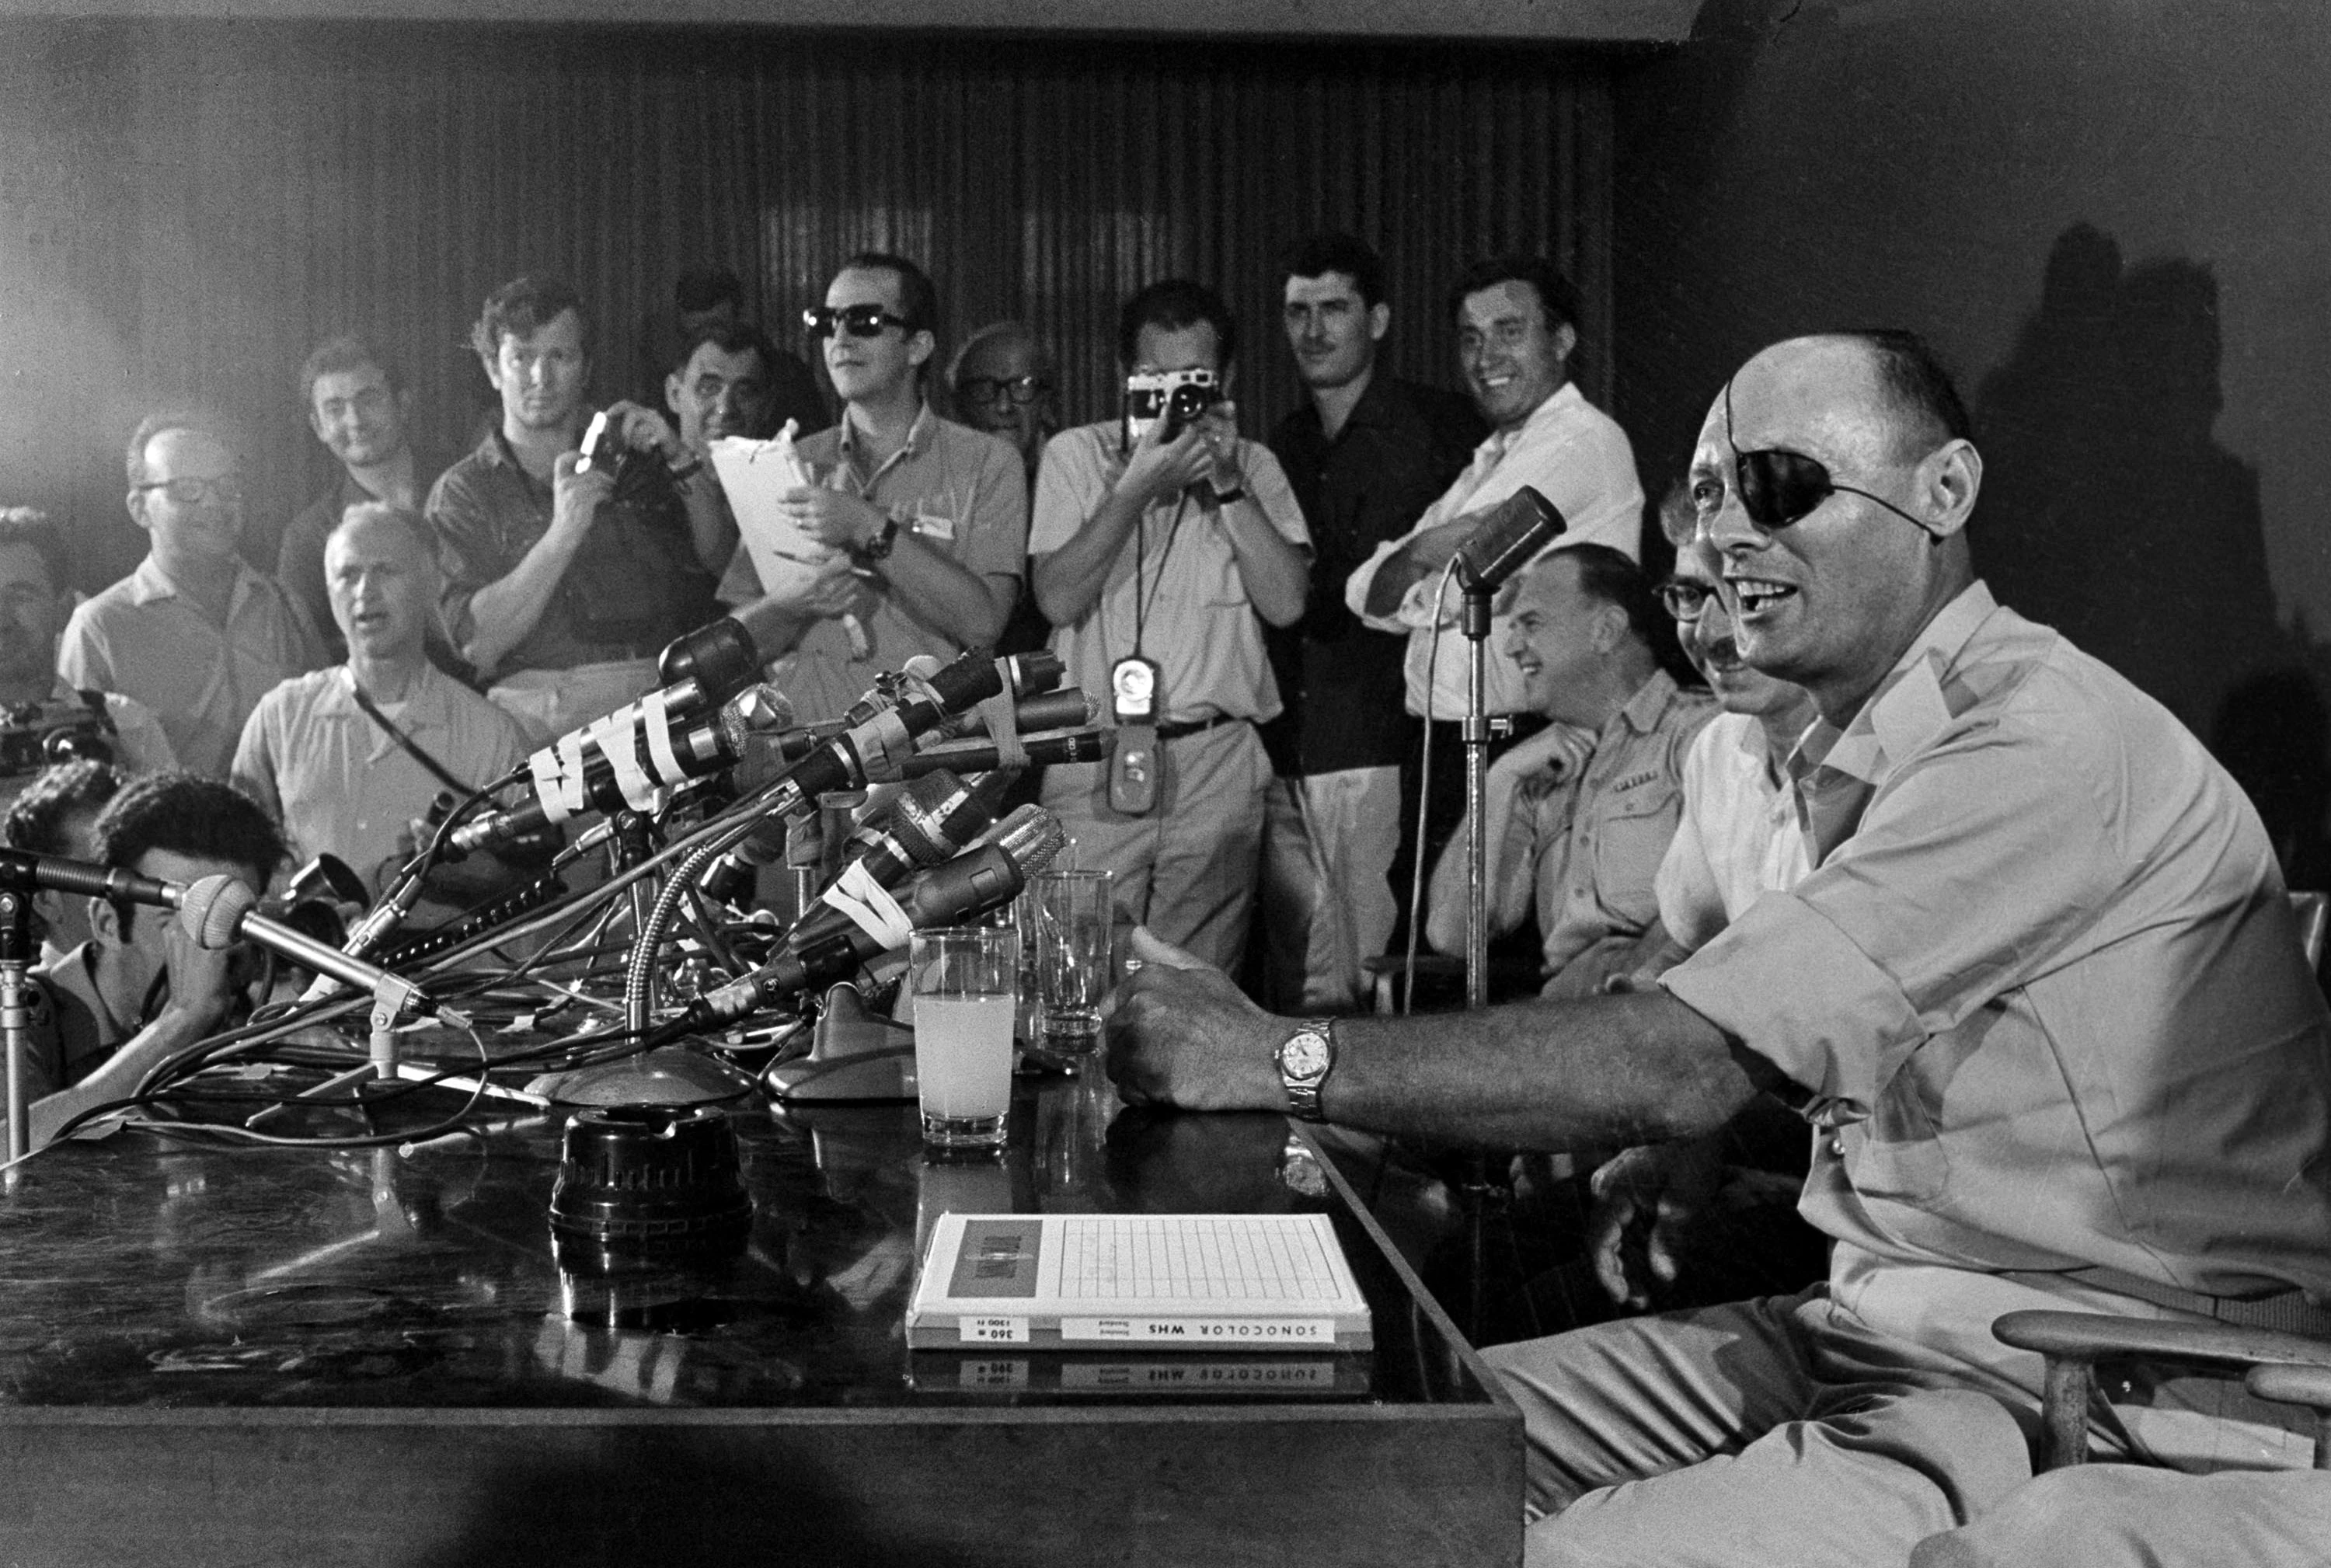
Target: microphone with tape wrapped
621, 761
931, 821
983, 880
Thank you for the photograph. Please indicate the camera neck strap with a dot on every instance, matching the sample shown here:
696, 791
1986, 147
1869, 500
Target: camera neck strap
413, 748
1144, 598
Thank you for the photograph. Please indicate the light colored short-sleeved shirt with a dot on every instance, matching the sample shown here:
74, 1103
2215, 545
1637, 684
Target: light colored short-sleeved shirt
1592, 845
1569, 452
955, 488
145, 639
341, 785
1738, 837
1178, 591
2043, 986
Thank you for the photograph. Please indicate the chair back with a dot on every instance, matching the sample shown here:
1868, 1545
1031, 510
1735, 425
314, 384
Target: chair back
2314, 912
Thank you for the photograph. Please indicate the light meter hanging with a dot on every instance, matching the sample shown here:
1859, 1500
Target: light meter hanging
1135, 763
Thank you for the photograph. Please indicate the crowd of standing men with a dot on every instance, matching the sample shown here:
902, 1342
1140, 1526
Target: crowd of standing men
430, 618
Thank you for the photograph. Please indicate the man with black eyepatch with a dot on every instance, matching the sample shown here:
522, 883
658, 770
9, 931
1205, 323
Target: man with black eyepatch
2040, 1000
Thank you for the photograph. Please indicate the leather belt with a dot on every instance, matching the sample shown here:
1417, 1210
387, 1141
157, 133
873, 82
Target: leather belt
1196, 726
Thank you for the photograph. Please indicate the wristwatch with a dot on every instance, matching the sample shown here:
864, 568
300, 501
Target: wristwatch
878, 546
1230, 497
1305, 1059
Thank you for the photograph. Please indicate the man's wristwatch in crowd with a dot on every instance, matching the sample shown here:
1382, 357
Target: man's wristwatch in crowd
1305, 1059
878, 546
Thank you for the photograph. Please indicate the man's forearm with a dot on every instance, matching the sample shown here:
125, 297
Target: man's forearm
118, 1076
940, 592
1444, 925
710, 527
1596, 1072
1277, 575
505, 611
1069, 581
1421, 557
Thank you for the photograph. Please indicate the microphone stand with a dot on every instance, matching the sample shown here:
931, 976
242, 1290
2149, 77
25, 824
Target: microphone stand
16, 950
1475, 624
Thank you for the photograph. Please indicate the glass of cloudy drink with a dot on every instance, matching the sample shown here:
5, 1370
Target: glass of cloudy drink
965, 982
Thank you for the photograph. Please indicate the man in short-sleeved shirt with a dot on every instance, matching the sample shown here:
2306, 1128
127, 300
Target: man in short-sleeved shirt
2042, 999
928, 517
1172, 552
560, 586
1580, 815
192, 634
333, 773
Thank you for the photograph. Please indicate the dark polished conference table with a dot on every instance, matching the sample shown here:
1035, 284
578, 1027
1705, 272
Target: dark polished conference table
230, 1354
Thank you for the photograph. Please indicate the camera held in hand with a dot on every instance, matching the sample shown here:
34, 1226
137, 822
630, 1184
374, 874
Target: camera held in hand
1176, 396
34, 736
640, 473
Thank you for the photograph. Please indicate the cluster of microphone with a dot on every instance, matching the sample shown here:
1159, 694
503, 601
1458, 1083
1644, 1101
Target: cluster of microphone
929, 851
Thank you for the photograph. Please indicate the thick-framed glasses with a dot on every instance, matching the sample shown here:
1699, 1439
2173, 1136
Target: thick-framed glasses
1022, 390
1685, 598
820, 321
190, 491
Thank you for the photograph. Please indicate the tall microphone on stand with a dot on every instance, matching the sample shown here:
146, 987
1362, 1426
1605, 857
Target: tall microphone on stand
1513, 534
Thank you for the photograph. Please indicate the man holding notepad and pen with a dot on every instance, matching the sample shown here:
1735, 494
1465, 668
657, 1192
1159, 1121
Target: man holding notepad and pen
920, 524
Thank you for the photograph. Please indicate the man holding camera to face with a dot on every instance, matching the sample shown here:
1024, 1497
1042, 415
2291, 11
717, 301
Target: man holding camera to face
1156, 543
570, 557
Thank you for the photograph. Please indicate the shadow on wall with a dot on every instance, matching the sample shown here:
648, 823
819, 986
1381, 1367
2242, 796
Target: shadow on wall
2111, 513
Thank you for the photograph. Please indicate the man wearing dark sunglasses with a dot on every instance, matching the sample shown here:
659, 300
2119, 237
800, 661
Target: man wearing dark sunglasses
194, 634
930, 518
2041, 1000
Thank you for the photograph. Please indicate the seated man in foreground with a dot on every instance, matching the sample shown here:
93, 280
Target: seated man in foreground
1579, 815
2041, 997
141, 989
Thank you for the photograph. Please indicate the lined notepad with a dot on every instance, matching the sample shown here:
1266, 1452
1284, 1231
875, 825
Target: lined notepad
1209, 1282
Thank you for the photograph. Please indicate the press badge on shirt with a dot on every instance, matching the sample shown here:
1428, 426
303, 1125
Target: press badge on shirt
932, 526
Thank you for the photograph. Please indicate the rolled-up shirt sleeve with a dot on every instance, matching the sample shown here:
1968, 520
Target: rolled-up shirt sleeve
471, 554
1973, 868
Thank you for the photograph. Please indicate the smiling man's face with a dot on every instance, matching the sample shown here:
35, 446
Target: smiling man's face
1512, 360
1832, 600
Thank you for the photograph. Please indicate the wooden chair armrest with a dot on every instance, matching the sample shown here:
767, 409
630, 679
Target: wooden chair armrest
2091, 1336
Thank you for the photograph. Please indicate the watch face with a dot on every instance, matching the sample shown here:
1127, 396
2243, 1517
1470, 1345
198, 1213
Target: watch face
1304, 1055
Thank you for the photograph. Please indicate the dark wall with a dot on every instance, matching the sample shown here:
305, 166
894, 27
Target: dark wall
186, 208
2115, 221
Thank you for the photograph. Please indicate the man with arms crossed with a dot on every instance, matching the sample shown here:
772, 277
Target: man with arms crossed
192, 634
931, 515
2042, 999
1160, 564
559, 590
93, 1038
1367, 453
1516, 329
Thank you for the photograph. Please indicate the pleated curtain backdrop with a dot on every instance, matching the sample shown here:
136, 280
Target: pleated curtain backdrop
186, 208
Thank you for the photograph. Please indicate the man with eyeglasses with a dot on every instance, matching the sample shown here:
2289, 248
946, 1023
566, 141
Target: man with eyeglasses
2042, 1002
1578, 816
192, 634
559, 585
930, 518
1366, 453
1517, 320
362, 412
1005, 383
1162, 544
